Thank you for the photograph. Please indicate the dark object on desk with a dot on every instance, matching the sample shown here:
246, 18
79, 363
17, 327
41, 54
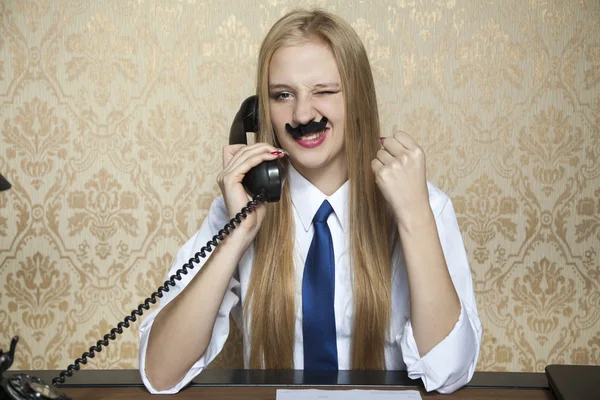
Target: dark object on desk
574, 382
23, 386
4, 184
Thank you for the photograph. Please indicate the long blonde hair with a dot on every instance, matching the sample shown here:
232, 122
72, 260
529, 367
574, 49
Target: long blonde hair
271, 294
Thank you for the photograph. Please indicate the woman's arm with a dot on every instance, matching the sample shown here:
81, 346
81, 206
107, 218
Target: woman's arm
400, 174
450, 364
434, 303
182, 330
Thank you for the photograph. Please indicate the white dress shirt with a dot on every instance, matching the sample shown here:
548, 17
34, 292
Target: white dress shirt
445, 368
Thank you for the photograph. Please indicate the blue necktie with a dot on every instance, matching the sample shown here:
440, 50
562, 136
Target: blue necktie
318, 288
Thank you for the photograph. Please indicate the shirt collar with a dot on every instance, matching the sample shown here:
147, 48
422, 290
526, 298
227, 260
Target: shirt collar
307, 199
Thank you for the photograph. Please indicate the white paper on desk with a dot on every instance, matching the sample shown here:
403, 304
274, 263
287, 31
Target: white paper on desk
353, 394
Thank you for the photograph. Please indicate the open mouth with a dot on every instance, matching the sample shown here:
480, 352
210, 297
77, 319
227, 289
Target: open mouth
313, 139
314, 136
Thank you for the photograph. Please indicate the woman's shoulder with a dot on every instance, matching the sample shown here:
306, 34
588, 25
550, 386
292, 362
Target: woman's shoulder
218, 204
218, 207
217, 212
438, 200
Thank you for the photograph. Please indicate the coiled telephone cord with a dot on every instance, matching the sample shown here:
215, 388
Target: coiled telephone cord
210, 245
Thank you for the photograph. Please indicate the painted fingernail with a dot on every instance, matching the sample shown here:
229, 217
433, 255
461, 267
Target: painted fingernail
276, 153
380, 139
283, 151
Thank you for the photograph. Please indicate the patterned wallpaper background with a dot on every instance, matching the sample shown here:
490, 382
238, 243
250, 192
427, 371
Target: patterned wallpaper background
113, 115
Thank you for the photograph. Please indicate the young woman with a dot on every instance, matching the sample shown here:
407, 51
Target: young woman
399, 293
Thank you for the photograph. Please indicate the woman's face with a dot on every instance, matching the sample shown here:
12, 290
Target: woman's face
304, 86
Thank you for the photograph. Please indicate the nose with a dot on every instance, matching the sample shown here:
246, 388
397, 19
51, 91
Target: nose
303, 111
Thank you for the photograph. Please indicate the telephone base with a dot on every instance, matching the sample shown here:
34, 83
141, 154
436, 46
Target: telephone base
25, 387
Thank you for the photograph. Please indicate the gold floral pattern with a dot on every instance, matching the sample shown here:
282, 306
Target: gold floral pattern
545, 296
426, 13
101, 54
490, 59
38, 138
494, 356
557, 15
592, 75
167, 142
230, 54
485, 212
38, 291
551, 144
33, 11
593, 350
589, 209
105, 208
113, 116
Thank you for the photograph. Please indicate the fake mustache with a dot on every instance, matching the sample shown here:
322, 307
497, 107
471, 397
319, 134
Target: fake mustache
302, 130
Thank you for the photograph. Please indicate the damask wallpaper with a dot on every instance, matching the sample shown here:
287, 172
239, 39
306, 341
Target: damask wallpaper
113, 115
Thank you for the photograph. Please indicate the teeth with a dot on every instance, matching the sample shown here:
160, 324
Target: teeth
313, 136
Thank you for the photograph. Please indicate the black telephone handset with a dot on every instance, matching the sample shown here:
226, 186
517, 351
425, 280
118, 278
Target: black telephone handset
262, 182
265, 177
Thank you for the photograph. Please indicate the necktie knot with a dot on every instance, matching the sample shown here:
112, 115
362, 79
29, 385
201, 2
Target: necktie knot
323, 212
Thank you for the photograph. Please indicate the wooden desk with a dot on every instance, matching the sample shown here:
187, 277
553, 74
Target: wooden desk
263, 385
269, 393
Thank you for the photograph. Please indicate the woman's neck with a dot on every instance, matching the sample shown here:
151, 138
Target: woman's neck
328, 180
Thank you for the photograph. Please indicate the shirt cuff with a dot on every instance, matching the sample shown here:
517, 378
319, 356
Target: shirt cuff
451, 363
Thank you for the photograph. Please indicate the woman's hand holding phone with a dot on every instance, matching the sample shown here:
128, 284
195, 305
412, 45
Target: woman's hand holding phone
238, 159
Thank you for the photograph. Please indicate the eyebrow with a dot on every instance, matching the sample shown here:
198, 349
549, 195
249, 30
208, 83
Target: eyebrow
280, 86
333, 85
